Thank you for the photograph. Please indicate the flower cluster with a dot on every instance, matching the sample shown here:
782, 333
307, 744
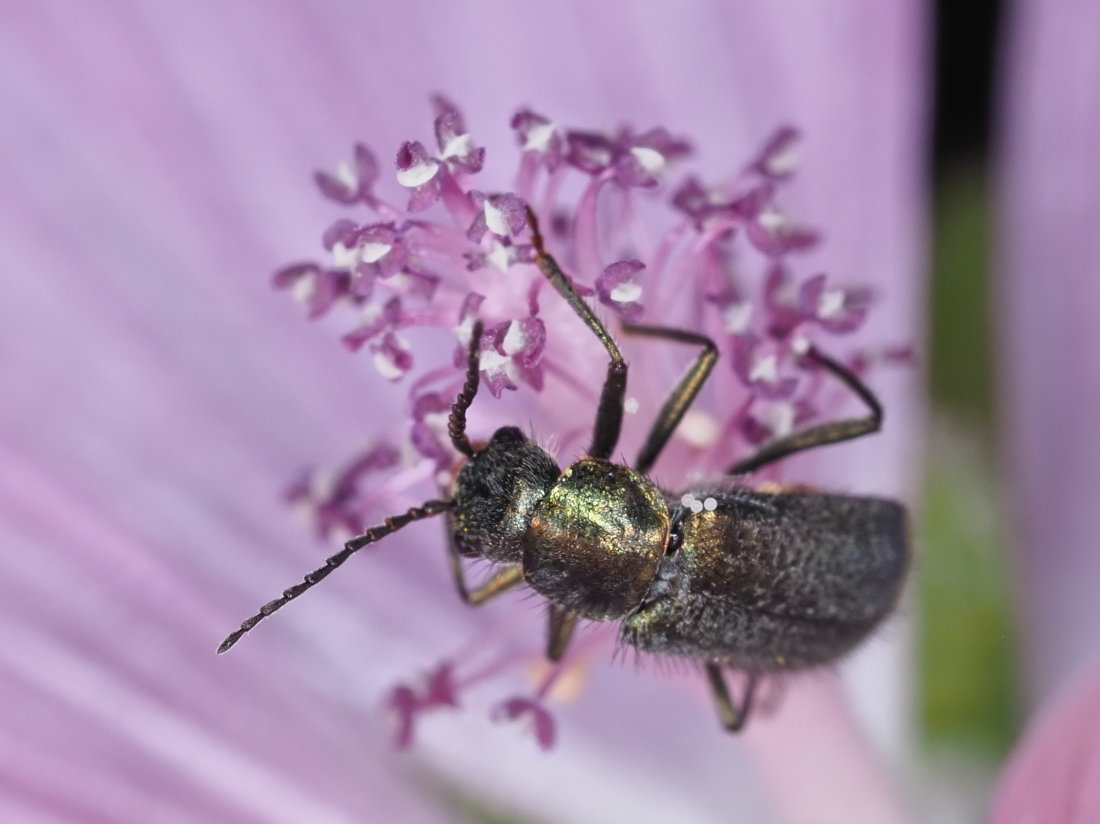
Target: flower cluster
447, 253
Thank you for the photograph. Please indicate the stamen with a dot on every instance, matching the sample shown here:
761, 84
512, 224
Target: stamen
722, 262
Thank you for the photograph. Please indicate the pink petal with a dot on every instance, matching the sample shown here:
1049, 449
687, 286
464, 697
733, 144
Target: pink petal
1049, 338
841, 776
1054, 772
157, 394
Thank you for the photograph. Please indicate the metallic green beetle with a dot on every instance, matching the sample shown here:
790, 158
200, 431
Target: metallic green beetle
754, 580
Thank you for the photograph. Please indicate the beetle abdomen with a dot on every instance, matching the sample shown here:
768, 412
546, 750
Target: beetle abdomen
773, 581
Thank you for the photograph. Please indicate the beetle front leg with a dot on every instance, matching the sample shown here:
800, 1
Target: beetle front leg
498, 584
609, 413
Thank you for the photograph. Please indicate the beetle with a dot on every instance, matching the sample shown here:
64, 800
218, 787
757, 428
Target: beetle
761, 581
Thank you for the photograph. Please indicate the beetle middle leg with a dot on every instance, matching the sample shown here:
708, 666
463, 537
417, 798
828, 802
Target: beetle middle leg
560, 627
733, 719
822, 434
682, 396
609, 414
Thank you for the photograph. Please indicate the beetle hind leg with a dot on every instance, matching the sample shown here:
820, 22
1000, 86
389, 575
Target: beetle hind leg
732, 718
825, 433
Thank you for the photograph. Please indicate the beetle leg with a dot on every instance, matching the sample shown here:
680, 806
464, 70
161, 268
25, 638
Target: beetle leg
561, 625
498, 584
456, 423
822, 434
609, 414
682, 396
732, 719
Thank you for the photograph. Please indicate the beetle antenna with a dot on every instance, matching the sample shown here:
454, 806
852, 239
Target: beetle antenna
375, 533
456, 423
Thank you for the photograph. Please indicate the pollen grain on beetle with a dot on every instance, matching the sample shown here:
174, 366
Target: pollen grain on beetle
441, 239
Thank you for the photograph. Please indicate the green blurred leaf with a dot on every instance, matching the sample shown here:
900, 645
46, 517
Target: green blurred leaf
960, 366
969, 696
967, 644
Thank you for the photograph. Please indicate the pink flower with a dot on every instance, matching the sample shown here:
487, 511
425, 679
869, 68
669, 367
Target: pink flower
158, 396
1049, 267
1053, 776
1049, 289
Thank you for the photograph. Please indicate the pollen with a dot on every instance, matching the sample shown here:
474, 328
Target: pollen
304, 289
689, 501
499, 257
626, 292
765, 369
783, 162
831, 303
649, 159
539, 136
344, 257
780, 419
387, 365
374, 252
514, 339
418, 174
737, 317
772, 220
345, 173
699, 429
457, 146
495, 219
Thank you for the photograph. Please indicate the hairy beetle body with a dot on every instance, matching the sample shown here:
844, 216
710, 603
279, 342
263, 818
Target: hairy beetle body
767, 582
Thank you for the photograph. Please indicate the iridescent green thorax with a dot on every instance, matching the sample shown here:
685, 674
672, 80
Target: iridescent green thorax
596, 540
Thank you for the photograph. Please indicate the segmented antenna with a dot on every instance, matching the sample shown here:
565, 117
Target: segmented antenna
456, 423
375, 533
